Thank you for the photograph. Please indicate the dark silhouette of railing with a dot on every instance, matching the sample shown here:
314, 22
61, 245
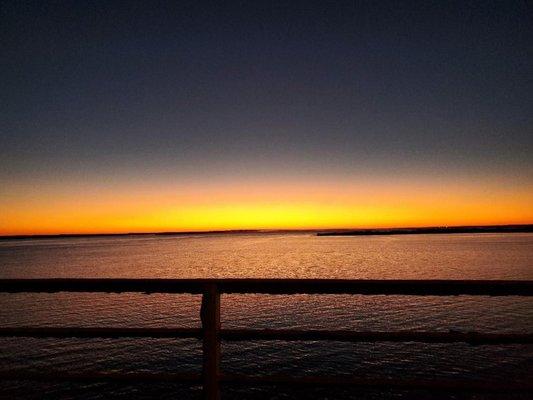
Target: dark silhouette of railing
211, 333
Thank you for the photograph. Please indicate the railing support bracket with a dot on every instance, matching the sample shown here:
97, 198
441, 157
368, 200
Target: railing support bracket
210, 316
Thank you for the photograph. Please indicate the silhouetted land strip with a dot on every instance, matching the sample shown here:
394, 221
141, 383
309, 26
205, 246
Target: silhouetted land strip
319, 232
431, 230
131, 234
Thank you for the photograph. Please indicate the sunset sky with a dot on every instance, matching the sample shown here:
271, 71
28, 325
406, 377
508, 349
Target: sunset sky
186, 116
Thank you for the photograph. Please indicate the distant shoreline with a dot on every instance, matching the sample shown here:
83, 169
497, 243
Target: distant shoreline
524, 228
89, 235
431, 230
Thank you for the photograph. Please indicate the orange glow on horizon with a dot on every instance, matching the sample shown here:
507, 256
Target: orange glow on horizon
298, 205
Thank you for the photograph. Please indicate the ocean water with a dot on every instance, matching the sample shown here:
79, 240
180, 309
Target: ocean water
462, 256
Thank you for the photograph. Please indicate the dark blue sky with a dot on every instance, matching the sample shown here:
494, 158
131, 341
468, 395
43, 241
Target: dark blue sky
192, 89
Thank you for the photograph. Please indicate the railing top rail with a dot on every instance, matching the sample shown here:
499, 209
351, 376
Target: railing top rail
274, 286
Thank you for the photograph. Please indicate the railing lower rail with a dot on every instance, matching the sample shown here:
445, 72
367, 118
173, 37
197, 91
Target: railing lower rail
236, 335
212, 334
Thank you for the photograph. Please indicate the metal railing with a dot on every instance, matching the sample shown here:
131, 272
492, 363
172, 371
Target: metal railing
211, 333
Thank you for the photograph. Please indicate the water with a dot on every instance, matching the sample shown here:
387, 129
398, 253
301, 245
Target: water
482, 256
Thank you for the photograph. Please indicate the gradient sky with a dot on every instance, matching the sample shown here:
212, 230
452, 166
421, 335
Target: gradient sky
195, 116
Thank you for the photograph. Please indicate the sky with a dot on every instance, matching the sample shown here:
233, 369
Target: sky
177, 116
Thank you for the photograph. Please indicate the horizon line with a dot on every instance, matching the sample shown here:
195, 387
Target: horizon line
343, 231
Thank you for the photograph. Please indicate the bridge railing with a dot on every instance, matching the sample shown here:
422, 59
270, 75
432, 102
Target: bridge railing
212, 334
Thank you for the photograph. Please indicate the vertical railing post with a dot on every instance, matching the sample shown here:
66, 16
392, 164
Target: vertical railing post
210, 316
